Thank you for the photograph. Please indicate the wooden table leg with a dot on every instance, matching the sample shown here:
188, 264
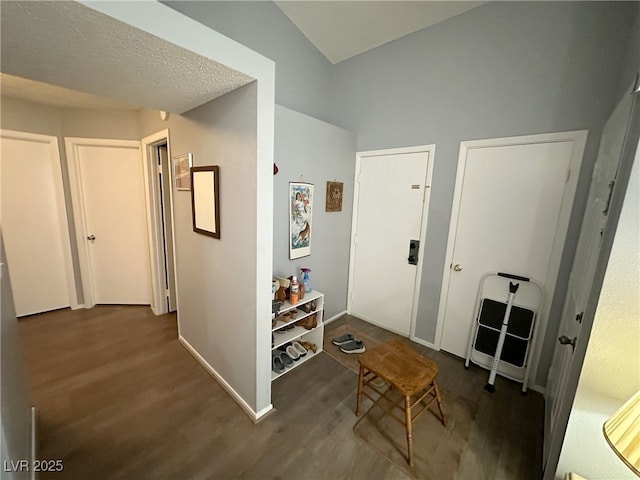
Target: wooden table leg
360, 384
407, 416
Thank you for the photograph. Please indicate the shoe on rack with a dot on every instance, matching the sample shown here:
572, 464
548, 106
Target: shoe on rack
286, 360
346, 338
354, 346
299, 348
276, 363
293, 353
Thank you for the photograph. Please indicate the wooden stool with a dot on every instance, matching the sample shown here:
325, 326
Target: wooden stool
407, 372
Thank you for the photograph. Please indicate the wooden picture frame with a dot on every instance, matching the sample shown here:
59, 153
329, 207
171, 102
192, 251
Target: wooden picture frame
182, 171
334, 197
205, 200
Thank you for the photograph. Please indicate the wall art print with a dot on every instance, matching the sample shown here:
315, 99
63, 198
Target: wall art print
334, 197
300, 209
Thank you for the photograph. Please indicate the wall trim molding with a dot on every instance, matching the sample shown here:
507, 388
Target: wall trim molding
255, 416
335, 317
413, 338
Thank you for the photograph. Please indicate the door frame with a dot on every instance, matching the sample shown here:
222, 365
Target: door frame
77, 200
63, 218
579, 139
154, 227
360, 156
630, 153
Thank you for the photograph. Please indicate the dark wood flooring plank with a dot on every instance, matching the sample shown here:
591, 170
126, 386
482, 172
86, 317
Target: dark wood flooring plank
118, 397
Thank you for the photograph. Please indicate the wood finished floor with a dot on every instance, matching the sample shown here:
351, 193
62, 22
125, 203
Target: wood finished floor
118, 397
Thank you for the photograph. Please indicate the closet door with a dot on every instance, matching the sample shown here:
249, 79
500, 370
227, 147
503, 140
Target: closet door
34, 223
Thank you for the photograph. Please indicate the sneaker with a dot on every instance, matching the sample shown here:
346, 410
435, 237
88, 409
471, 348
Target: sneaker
346, 338
354, 346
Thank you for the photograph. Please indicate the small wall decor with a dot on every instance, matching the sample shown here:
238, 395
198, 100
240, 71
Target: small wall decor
205, 200
334, 197
181, 165
300, 209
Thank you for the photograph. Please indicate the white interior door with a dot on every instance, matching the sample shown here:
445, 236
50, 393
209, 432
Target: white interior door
34, 223
584, 264
107, 180
164, 186
511, 210
390, 205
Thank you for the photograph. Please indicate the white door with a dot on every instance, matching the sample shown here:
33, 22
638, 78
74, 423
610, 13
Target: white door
164, 188
34, 223
107, 184
584, 264
511, 210
390, 204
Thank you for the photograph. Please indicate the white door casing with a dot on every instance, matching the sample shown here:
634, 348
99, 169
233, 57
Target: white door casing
108, 194
584, 263
153, 199
391, 201
35, 225
167, 222
511, 209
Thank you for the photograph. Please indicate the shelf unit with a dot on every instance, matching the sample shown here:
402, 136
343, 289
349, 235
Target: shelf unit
314, 335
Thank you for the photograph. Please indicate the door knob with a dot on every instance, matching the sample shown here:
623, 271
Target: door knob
564, 340
457, 267
91, 237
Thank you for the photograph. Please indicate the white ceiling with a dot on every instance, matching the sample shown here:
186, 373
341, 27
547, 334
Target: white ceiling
73, 56
52, 95
343, 29
70, 45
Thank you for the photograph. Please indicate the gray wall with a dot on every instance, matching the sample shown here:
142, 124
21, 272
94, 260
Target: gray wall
303, 74
320, 152
499, 70
631, 63
15, 420
216, 277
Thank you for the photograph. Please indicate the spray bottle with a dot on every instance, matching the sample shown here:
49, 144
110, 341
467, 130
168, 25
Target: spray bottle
304, 274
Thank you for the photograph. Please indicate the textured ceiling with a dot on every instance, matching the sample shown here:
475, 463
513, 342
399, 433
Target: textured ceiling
343, 29
47, 94
73, 46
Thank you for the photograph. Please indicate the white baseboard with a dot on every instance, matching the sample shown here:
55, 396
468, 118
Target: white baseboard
537, 388
335, 317
424, 342
239, 400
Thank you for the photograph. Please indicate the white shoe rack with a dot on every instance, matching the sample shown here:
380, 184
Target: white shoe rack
315, 335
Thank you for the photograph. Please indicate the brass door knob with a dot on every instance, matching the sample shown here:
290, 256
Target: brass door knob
457, 267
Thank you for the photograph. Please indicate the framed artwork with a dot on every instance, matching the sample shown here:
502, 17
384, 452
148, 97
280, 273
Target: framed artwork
334, 197
205, 200
300, 209
181, 171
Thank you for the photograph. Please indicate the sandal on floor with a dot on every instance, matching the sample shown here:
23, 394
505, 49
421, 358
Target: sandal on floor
344, 339
354, 346
276, 363
299, 348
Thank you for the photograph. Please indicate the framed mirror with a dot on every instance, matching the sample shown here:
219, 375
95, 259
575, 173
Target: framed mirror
205, 200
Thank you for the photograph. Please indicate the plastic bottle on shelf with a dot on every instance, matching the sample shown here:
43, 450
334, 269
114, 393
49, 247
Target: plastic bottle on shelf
294, 290
305, 279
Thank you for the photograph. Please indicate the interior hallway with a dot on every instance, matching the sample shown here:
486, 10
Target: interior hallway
118, 397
